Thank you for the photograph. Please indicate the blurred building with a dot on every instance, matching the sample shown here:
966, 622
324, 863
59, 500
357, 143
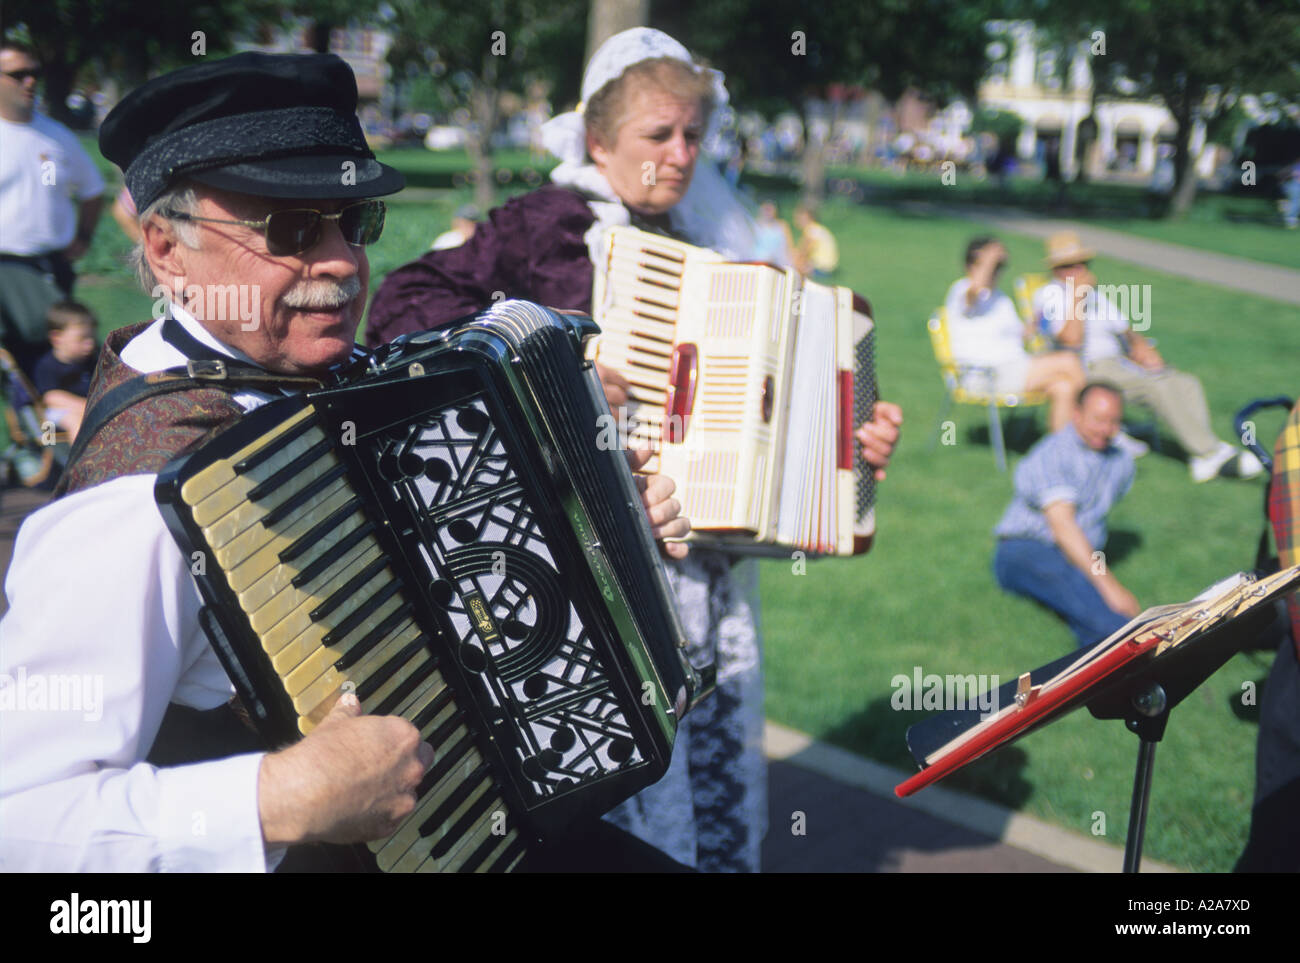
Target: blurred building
1133, 136
363, 48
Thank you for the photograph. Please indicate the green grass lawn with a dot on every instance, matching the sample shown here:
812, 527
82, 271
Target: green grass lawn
1245, 224
925, 597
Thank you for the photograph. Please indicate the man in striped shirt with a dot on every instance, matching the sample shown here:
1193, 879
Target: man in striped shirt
1051, 535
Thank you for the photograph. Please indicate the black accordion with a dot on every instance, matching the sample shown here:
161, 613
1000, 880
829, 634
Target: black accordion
440, 533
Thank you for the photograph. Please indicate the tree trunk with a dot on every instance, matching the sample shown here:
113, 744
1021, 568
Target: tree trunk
320, 35
483, 101
58, 85
813, 163
1184, 169
609, 17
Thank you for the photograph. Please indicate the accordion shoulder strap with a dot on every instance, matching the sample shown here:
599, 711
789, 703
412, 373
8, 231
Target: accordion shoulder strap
137, 423
230, 377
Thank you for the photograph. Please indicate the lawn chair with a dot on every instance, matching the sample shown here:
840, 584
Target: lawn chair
37, 452
974, 385
1026, 286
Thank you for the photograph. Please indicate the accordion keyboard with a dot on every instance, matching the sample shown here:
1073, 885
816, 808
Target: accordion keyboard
301, 556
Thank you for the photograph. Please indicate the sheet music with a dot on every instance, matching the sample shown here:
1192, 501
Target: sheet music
1176, 623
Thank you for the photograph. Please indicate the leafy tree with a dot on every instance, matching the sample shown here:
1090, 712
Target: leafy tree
485, 49
779, 55
1190, 54
126, 38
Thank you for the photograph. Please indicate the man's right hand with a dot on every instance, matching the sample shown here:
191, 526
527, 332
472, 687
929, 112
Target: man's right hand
351, 780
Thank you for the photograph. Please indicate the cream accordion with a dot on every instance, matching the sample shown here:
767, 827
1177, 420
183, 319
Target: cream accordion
748, 382
439, 532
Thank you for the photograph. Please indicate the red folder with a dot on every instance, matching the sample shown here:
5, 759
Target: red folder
946, 743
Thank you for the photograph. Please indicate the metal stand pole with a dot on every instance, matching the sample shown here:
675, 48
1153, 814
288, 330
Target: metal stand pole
1151, 708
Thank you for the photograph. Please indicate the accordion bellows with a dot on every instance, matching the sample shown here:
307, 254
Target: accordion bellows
748, 382
440, 533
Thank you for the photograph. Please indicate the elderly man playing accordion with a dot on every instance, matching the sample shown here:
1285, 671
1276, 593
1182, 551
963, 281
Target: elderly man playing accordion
248, 171
629, 156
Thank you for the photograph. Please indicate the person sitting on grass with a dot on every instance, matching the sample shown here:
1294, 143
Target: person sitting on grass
1050, 536
985, 331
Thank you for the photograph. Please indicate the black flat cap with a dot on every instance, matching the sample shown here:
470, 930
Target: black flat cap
274, 125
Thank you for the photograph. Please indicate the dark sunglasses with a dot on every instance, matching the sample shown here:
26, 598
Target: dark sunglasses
20, 75
297, 230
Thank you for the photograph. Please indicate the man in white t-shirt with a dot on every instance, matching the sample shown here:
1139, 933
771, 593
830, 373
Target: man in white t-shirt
50, 199
1083, 318
986, 333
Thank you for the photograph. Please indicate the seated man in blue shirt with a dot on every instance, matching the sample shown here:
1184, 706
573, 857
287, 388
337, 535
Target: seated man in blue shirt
1050, 536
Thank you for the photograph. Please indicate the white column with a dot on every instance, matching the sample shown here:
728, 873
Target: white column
1069, 139
1027, 141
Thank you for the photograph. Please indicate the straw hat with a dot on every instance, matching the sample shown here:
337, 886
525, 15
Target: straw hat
1066, 248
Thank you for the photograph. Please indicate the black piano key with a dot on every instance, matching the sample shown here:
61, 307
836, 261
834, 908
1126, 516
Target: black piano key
431, 711
450, 805
336, 552
407, 685
360, 614
480, 853
290, 471
279, 444
348, 589
399, 693
304, 495
444, 765
462, 825
313, 535
509, 855
372, 638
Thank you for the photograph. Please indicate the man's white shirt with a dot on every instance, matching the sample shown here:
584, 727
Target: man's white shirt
99, 589
44, 173
988, 332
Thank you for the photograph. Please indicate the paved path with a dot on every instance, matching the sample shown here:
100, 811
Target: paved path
1239, 274
852, 822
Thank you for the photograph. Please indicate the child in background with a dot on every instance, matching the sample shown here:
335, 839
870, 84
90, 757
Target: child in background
62, 376
817, 256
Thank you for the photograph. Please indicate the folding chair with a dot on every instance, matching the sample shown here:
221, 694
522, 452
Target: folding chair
1025, 287
974, 385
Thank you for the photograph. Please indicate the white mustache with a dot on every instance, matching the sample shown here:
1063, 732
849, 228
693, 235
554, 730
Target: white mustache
322, 295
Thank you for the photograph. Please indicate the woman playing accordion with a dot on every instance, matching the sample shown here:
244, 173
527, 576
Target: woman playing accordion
628, 157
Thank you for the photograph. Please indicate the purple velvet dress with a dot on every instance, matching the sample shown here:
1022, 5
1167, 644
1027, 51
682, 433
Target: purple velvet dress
531, 247
710, 810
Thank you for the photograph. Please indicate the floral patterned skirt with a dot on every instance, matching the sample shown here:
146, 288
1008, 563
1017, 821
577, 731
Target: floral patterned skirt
710, 810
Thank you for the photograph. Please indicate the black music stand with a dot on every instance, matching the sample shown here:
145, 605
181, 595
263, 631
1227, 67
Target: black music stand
1139, 686
1144, 696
